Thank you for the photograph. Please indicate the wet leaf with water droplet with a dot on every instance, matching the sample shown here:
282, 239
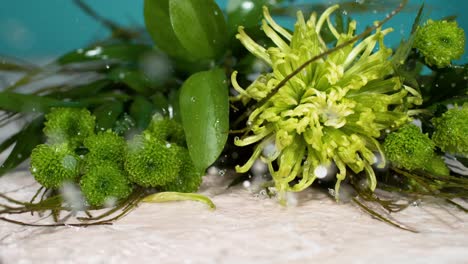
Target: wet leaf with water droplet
246, 13
107, 114
204, 106
199, 26
141, 111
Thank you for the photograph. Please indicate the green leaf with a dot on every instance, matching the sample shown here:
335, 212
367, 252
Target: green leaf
244, 13
404, 49
81, 91
160, 103
204, 106
141, 111
107, 114
136, 80
158, 25
28, 103
448, 85
199, 26
10, 65
121, 52
28, 138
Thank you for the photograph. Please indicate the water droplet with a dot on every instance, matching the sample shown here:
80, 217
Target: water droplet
247, 5
193, 99
222, 172
213, 170
246, 184
321, 171
93, 52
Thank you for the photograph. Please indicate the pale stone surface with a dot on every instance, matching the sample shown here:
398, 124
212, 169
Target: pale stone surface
243, 229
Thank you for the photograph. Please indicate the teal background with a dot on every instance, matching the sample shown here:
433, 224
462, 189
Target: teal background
41, 29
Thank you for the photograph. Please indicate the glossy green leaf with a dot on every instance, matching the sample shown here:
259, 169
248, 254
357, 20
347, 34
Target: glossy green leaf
15, 66
158, 25
28, 138
81, 91
160, 103
121, 52
204, 106
200, 27
141, 111
28, 103
135, 80
244, 13
107, 114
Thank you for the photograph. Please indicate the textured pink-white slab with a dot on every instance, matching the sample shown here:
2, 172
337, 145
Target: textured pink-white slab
244, 228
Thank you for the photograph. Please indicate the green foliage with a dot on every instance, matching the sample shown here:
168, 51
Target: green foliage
158, 25
440, 42
105, 147
187, 29
410, 149
52, 165
150, 162
68, 125
204, 105
451, 130
244, 13
105, 183
29, 103
200, 27
123, 52
437, 166
107, 114
142, 109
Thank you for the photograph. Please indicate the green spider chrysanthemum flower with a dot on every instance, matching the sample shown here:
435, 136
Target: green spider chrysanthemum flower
331, 112
440, 42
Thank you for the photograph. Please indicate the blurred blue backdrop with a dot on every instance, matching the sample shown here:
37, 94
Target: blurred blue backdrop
31, 29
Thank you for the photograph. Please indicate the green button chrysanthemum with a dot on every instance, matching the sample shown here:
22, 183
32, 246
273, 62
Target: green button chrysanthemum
440, 42
332, 112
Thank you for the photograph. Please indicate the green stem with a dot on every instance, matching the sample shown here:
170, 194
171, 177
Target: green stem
382, 218
176, 196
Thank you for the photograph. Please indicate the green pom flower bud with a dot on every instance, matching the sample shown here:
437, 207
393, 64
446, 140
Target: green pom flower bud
166, 129
189, 178
451, 130
52, 165
105, 147
104, 184
151, 162
68, 125
440, 42
409, 148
